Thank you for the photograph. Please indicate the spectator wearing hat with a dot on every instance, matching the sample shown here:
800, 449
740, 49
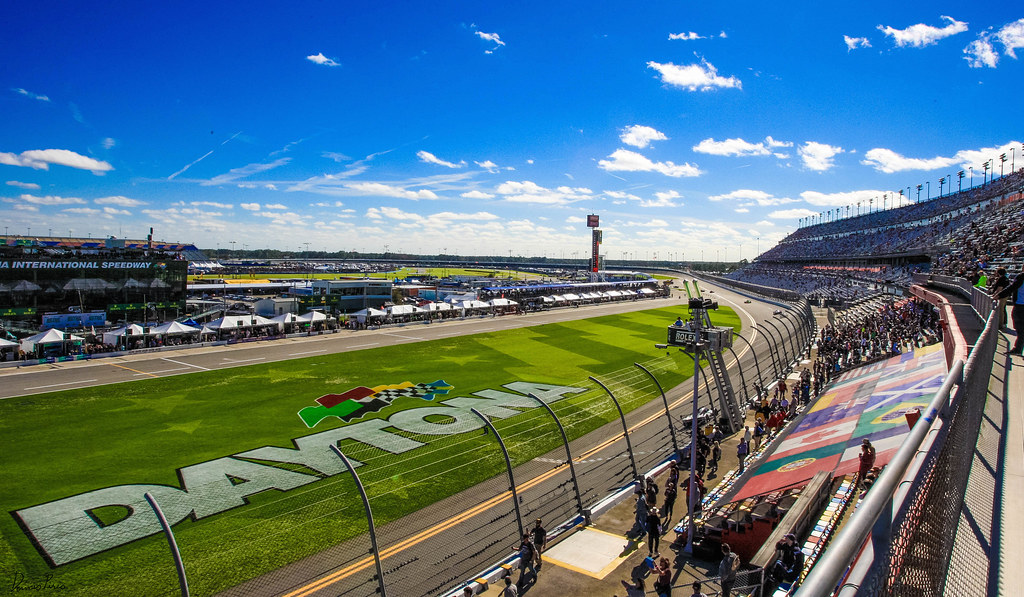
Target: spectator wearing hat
1015, 291
867, 459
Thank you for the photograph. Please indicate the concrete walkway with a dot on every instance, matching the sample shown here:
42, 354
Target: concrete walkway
987, 552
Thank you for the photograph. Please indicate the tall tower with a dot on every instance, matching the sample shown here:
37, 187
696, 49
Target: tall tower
594, 221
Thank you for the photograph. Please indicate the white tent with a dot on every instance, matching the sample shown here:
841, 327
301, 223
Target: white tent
48, 337
87, 284
7, 343
362, 316
645, 291
570, 297
233, 322
285, 319
437, 307
112, 336
173, 328
401, 310
472, 305
502, 302
311, 317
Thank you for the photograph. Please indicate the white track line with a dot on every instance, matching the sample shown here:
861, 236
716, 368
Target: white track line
183, 363
233, 361
403, 337
55, 385
164, 371
363, 345
295, 354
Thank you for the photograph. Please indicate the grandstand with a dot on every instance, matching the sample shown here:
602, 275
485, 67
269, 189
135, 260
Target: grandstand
849, 258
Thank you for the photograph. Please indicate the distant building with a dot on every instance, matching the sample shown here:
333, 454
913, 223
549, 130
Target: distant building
77, 283
272, 307
347, 296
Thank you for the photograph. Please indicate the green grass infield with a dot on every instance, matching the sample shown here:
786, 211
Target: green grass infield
64, 444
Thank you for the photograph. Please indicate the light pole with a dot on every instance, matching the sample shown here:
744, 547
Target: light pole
929, 183
1002, 160
918, 193
971, 168
960, 181
984, 180
942, 181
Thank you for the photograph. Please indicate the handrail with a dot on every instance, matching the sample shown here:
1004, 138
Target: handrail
828, 571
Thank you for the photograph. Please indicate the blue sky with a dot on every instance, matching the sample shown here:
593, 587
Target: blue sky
693, 129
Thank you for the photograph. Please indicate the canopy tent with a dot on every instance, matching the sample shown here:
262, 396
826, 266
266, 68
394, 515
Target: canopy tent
468, 305
172, 328
112, 336
206, 331
158, 283
132, 284
571, 297
7, 343
233, 322
645, 291
502, 302
547, 299
311, 317
285, 319
25, 286
436, 307
87, 284
401, 310
362, 316
48, 337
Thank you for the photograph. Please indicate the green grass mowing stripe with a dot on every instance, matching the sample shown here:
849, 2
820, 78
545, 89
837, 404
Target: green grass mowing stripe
62, 444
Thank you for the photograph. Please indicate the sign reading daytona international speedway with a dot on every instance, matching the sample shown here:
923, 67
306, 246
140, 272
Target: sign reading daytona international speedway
66, 530
75, 264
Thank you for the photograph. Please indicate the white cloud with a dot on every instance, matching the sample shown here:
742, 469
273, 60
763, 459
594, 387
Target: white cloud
270, 187
641, 136
426, 156
575, 220
818, 156
113, 211
888, 161
322, 60
741, 210
40, 159
980, 53
684, 36
655, 223
377, 189
789, 214
841, 199
624, 160
477, 195
109, 143
51, 200
746, 194
212, 204
119, 200
703, 76
921, 35
274, 206
621, 195
84, 211
852, 43
492, 167
1012, 37
493, 37
26, 93
250, 206
23, 185
24, 207
247, 170
663, 199
530, 192
730, 147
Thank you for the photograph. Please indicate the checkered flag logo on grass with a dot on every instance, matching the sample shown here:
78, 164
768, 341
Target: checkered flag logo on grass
357, 402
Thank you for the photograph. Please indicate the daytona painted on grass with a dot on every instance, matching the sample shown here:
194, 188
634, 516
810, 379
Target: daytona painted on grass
232, 463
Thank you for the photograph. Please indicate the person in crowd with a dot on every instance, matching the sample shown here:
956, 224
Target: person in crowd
727, 569
742, 449
540, 541
671, 490
527, 559
1015, 291
867, 459
663, 585
653, 532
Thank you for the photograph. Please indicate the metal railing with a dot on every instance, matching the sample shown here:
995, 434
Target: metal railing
912, 511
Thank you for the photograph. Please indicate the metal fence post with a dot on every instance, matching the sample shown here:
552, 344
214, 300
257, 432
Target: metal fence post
743, 378
182, 581
369, 519
508, 467
772, 350
782, 342
568, 453
668, 415
753, 355
625, 430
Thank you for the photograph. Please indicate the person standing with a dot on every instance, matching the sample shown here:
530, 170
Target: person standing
527, 555
540, 542
510, 589
663, 586
653, 532
727, 569
1000, 282
867, 459
742, 448
1015, 291
670, 501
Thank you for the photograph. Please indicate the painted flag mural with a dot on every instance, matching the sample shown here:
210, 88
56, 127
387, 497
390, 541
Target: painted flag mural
360, 401
869, 402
